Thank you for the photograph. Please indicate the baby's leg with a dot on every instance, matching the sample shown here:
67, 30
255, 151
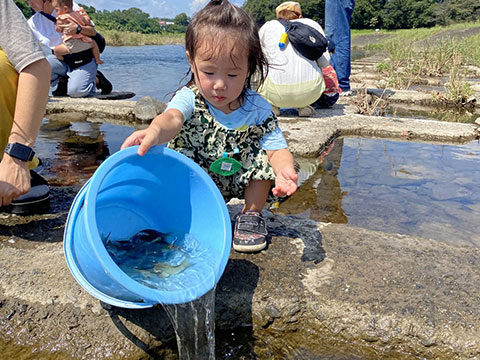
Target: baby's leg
256, 194
61, 50
96, 52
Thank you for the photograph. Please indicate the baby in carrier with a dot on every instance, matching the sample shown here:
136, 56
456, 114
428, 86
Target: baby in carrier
77, 42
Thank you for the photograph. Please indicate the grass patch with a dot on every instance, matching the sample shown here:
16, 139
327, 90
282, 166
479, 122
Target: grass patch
412, 35
470, 48
407, 64
125, 38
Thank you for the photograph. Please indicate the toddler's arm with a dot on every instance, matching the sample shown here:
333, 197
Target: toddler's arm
84, 15
60, 24
286, 176
161, 130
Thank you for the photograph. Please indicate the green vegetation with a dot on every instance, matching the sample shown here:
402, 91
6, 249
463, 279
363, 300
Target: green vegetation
26, 10
408, 62
264, 10
126, 38
132, 20
382, 14
368, 14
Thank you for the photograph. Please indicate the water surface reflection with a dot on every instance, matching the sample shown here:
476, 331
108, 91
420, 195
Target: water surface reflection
400, 187
72, 149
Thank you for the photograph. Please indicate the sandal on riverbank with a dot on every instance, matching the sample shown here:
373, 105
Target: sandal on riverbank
62, 87
250, 233
103, 84
36, 201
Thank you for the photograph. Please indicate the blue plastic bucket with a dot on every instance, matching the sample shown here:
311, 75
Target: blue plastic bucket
163, 190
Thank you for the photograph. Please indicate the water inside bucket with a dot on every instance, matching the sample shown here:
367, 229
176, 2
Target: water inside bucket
162, 261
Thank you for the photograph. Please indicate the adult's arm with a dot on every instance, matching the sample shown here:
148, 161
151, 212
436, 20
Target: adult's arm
32, 94
71, 28
24, 53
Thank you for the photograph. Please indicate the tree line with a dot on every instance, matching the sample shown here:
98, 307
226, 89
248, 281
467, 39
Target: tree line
384, 14
368, 14
133, 19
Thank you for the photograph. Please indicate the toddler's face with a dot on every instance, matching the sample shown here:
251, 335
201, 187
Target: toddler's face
220, 74
60, 9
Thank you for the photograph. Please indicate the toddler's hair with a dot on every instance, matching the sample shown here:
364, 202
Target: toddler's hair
219, 22
68, 3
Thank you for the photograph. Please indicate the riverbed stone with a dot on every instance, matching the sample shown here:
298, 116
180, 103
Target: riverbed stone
148, 108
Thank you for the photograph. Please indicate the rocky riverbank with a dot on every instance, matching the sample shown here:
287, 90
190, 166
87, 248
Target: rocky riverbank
320, 289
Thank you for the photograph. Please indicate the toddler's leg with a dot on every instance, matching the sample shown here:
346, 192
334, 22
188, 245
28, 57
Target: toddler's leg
250, 234
96, 52
60, 50
256, 195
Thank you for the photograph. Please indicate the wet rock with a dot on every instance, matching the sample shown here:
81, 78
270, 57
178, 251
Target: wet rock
273, 312
74, 116
148, 107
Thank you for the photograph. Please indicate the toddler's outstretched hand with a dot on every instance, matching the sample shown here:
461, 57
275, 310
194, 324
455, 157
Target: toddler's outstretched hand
145, 138
285, 182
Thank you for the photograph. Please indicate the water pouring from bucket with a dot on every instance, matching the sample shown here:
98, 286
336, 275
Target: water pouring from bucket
148, 229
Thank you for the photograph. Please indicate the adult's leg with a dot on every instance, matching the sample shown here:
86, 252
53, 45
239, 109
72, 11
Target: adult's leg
81, 81
59, 69
338, 14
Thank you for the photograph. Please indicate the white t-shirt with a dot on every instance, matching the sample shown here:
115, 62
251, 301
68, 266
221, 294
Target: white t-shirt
44, 30
293, 80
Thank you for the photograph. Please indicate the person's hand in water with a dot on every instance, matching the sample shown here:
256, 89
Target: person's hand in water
285, 182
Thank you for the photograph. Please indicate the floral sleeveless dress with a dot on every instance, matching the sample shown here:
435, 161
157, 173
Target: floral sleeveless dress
204, 140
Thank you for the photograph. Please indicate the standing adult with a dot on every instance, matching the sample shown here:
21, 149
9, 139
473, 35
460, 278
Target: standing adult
293, 81
24, 86
82, 74
338, 15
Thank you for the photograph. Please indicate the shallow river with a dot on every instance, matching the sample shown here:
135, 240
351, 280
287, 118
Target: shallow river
420, 189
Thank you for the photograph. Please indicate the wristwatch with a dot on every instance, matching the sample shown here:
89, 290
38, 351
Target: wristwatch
79, 29
19, 151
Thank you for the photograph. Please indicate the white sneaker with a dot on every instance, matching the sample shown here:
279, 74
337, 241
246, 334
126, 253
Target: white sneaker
276, 110
346, 93
306, 111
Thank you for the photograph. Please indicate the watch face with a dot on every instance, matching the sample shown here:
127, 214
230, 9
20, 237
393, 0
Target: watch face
19, 151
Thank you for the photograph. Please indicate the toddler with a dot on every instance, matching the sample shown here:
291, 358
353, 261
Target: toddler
223, 126
77, 42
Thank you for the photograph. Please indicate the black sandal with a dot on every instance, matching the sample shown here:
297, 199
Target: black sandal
36, 201
250, 233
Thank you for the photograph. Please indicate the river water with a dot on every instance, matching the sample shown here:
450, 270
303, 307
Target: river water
145, 70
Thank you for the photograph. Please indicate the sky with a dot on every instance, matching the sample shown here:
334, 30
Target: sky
156, 8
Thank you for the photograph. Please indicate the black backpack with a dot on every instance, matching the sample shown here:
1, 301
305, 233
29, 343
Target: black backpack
305, 39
